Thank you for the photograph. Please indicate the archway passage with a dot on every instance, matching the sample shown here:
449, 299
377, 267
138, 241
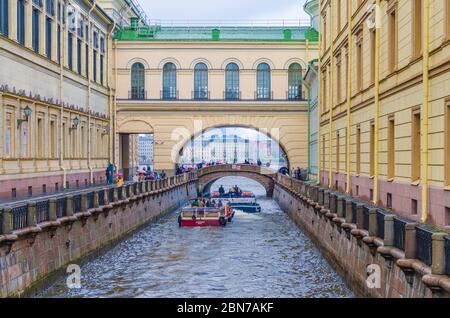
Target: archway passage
233, 145
262, 175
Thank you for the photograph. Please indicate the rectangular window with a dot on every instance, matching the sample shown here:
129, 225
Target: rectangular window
324, 91
83, 142
21, 21
70, 50
94, 66
64, 138
52, 136
73, 145
358, 150
79, 56
24, 136
338, 149
415, 147
323, 153
372, 149
8, 135
58, 43
338, 80
447, 143
48, 37
359, 66
372, 56
4, 17
391, 149
86, 57
35, 34
40, 138
101, 69
392, 38
417, 28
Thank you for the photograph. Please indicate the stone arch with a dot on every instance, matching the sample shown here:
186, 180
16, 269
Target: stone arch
181, 144
295, 60
137, 60
263, 60
169, 60
201, 60
232, 60
211, 174
135, 126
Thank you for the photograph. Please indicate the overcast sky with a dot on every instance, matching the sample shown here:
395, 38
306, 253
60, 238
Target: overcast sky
224, 9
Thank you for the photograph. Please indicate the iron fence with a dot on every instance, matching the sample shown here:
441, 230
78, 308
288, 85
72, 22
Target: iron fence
119, 193
366, 214
424, 244
42, 211
61, 207
77, 203
111, 195
447, 255
90, 200
354, 209
141, 187
380, 222
399, 232
101, 197
20, 217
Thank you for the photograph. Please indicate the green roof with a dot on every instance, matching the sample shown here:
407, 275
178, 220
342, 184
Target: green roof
228, 33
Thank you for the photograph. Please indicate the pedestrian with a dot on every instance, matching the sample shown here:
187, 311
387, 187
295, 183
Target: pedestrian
110, 173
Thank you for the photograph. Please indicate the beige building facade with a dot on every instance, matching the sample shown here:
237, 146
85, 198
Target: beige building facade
175, 82
55, 95
384, 104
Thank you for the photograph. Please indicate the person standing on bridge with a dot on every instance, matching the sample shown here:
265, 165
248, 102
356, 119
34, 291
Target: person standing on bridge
221, 190
110, 173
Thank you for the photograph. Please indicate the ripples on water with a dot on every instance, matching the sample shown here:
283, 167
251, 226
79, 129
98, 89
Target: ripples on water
257, 255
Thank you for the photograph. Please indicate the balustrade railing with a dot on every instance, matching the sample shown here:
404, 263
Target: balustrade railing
380, 222
90, 200
101, 197
61, 207
76, 203
42, 211
424, 244
447, 255
399, 232
20, 217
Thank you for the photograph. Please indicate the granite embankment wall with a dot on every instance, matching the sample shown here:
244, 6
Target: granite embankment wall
413, 261
40, 240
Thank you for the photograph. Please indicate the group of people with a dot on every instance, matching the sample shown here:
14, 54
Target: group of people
234, 191
140, 175
206, 203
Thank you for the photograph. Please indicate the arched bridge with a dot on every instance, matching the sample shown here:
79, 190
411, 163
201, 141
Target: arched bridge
265, 176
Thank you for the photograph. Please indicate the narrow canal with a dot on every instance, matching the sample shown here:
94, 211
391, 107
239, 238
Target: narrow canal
257, 255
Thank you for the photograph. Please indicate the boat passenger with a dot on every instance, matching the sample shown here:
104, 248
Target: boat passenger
221, 190
196, 203
219, 204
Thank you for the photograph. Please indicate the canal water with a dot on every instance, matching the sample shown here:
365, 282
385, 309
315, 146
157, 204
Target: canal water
257, 255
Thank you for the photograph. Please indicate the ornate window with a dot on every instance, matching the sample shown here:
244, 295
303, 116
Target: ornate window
201, 81
295, 81
169, 81
4, 17
263, 82
232, 81
137, 81
21, 21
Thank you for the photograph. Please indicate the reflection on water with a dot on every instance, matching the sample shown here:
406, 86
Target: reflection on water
257, 255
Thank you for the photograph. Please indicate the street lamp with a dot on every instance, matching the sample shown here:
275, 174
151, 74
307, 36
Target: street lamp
75, 123
27, 113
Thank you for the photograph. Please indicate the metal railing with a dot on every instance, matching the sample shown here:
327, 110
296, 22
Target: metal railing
447, 255
20, 217
61, 207
120, 193
76, 203
263, 95
90, 200
169, 94
101, 197
424, 244
399, 232
42, 211
137, 95
380, 222
354, 211
201, 94
200, 23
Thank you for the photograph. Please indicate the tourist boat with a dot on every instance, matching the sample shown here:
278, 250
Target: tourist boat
204, 216
246, 202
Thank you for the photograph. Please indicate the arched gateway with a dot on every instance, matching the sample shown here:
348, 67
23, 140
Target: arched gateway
262, 175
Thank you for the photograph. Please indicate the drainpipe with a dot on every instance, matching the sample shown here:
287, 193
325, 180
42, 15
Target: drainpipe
330, 159
89, 94
377, 103
424, 115
111, 97
349, 93
319, 97
61, 93
309, 133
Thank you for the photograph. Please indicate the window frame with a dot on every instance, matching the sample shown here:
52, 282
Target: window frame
232, 82
169, 89
263, 82
201, 81
137, 80
295, 87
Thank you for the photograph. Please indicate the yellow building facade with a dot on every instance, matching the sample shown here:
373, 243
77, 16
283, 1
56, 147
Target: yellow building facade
55, 95
196, 78
384, 104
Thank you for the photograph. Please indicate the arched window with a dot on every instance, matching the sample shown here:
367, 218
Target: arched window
295, 82
263, 82
232, 81
137, 81
169, 81
201, 81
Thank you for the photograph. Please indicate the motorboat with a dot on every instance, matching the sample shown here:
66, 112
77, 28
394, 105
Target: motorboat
205, 216
244, 201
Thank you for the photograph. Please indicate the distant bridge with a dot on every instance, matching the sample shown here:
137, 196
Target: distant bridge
263, 175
